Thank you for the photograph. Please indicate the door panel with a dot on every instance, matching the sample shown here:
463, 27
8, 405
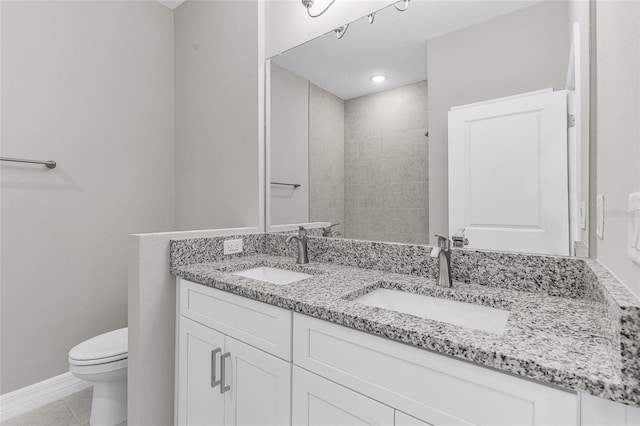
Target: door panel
259, 383
198, 402
508, 177
320, 402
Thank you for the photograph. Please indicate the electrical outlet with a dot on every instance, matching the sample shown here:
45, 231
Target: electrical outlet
233, 246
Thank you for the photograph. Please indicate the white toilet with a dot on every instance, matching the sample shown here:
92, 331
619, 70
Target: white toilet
103, 361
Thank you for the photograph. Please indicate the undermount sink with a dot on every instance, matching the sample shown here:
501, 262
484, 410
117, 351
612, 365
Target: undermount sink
273, 275
469, 315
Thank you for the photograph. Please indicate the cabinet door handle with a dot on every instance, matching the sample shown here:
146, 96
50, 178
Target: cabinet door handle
214, 382
223, 372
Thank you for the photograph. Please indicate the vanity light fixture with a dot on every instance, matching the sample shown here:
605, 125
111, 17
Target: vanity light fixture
405, 5
378, 78
340, 31
308, 4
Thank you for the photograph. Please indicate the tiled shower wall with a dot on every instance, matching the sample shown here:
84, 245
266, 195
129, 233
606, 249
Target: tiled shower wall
386, 165
326, 157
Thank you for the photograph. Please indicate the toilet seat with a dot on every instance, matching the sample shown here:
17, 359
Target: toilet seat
85, 371
102, 349
96, 361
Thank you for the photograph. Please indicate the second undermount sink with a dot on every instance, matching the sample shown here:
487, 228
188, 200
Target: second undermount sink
469, 315
273, 275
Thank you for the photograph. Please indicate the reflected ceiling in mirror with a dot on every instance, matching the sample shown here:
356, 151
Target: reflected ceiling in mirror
394, 45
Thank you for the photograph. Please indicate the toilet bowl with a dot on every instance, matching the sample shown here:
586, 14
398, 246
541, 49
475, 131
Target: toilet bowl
102, 360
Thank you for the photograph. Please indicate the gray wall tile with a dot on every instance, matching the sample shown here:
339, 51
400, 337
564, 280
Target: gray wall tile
386, 165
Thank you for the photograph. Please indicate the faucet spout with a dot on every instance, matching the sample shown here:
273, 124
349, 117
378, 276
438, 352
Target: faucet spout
291, 237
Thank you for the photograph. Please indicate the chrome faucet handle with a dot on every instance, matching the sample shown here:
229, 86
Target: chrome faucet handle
459, 239
302, 233
443, 242
328, 231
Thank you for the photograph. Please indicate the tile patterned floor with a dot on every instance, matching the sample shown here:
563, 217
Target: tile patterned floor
74, 410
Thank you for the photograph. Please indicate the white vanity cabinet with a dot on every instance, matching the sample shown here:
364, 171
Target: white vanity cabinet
222, 380
284, 368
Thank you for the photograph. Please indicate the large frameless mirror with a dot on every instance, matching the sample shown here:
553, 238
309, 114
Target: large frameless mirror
450, 115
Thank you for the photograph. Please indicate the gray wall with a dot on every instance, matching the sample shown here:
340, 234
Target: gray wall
152, 310
326, 157
89, 85
216, 91
289, 147
618, 132
386, 165
520, 52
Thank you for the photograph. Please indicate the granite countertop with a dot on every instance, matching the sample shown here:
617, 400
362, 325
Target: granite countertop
558, 340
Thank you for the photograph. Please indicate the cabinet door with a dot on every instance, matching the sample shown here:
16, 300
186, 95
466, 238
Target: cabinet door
600, 412
403, 419
319, 402
259, 387
199, 399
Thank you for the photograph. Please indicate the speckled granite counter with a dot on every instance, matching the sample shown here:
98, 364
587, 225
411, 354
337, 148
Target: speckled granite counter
586, 340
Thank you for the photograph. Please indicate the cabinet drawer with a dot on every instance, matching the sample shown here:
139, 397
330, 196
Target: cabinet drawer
260, 325
435, 388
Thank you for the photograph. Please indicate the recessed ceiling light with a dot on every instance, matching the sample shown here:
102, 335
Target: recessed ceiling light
378, 78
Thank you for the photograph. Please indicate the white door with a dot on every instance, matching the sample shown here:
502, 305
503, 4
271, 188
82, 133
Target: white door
320, 402
259, 387
199, 399
508, 183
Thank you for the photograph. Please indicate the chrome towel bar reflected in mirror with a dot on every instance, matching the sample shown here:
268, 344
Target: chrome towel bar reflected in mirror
295, 185
49, 164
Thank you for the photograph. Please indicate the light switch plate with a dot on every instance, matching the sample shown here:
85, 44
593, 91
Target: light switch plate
633, 248
600, 216
583, 215
233, 246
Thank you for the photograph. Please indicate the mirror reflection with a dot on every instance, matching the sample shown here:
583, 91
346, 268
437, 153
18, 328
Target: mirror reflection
448, 116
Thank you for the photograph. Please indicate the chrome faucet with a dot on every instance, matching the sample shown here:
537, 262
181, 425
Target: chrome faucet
328, 231
443, 253
459, 239
303, 256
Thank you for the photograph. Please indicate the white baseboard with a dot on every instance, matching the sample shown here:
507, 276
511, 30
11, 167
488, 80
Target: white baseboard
42, 393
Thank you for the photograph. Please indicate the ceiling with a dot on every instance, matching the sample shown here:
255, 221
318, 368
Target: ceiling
395, 45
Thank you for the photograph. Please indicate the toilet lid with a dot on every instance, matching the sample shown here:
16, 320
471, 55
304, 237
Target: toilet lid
111, 345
